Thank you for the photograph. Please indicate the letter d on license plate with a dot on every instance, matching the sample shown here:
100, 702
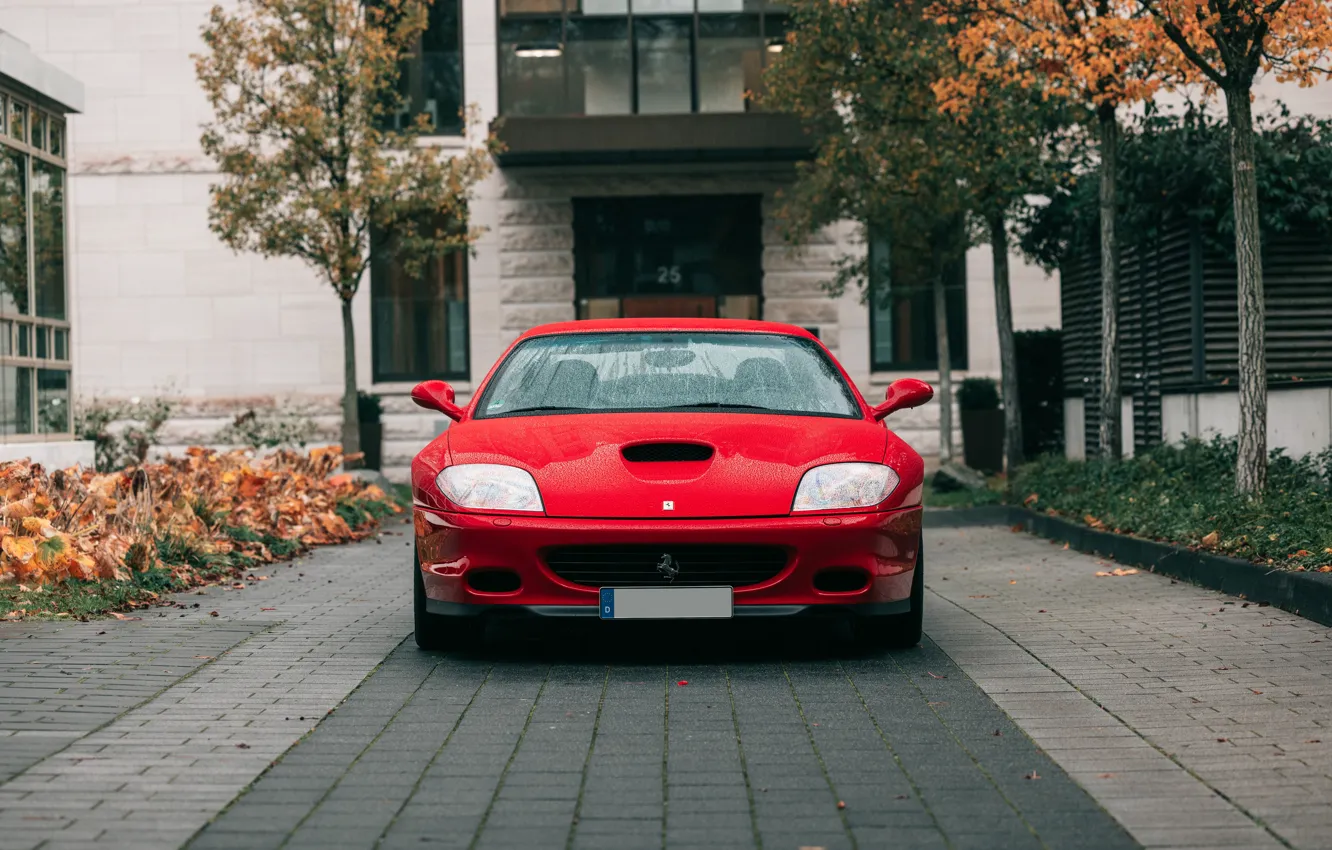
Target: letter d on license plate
665, 603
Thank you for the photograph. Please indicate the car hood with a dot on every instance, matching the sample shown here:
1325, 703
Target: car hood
755, 467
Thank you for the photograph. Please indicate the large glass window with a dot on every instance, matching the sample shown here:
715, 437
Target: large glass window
431, 81
613, 57
13, 231
48, 238
34, 331
668, 256
902, 334
419, 321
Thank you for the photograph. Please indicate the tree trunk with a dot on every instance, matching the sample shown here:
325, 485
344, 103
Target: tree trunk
1251, 467
351, 422
1003, 314
945, 366
1109, 443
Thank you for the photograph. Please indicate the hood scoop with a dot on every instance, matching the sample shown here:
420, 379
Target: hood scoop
666, 452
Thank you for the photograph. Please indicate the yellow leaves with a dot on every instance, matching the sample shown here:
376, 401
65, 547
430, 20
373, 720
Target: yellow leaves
1116, 572
179, 514
20, 549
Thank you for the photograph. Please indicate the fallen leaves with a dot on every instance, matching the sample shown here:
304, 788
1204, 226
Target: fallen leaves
120, 616
188, 515
1117, 571
1211, 539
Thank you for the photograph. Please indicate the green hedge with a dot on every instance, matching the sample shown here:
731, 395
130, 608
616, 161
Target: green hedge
1186, 495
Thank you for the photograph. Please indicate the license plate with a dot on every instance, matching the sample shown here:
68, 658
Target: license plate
665, 603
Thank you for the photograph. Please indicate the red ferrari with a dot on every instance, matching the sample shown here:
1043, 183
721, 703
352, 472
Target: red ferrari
667, 469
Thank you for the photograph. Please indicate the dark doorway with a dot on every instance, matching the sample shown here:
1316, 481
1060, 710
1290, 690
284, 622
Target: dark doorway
668, 256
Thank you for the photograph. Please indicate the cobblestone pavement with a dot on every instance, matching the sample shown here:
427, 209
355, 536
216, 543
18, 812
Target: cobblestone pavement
727, 736
1196, 719
180, 729
135, 733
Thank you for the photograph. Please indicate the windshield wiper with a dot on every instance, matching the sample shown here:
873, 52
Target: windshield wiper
542, 408
715, 404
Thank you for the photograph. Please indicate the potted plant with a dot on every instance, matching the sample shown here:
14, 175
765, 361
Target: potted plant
370, 410
982, 424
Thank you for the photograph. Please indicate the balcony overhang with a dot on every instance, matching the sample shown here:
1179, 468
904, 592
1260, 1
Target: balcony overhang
612, 139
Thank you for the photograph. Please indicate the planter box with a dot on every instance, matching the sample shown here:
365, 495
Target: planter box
372, 443
983, 440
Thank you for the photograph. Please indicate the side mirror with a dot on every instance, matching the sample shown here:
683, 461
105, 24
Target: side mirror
902, 394
437, 395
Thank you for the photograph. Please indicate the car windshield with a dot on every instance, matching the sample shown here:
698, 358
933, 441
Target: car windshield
632, 371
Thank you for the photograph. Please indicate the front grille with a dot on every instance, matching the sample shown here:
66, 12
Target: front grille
666, 452
636, 566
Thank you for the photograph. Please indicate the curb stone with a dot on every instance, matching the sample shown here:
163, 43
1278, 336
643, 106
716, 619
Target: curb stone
1307, 594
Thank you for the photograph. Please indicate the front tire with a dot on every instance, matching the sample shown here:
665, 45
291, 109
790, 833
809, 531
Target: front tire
435, 631
897, 631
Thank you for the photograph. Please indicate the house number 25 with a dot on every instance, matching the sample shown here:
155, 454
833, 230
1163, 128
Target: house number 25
668, 274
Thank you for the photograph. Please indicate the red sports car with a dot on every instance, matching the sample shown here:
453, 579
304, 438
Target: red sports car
663, 469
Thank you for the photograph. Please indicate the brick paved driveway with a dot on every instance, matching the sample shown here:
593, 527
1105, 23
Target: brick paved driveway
217, 731
550, 739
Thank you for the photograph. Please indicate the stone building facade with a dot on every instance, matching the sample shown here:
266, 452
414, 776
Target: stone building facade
160, 307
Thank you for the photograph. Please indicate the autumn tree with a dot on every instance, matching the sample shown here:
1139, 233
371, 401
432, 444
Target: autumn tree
302, 92
1229, 42
1101, 54
862, 76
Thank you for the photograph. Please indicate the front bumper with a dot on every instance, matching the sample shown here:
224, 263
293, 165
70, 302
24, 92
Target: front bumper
883, 545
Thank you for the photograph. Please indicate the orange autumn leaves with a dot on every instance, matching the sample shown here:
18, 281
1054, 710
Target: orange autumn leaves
72, 524
1087, 51
1110, 52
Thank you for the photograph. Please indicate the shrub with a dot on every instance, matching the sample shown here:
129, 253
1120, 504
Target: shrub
269, 429
122, 432
369, 408
1186, 494
978, 394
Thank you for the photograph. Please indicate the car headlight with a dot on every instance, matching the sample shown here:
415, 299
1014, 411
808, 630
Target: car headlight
489, 487
844, 485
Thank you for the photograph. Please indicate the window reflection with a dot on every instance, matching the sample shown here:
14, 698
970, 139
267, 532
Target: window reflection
532, 66
600, 57
13, 231
902, 333
15, 400
419, 320
431, 79
600, 80
663, 46
48, 243
32, 272
18, 121
52, 401
730, 62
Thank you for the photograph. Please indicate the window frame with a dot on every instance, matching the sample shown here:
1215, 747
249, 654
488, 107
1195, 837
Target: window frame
416, 57
378, 374
763, 12
14, 323
959, 347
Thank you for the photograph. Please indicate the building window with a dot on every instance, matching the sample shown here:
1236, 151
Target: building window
431, 80
419, 322
34, 329
668, 256
902, 336
614, 57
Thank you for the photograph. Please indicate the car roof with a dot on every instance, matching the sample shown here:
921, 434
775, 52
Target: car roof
668, 324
